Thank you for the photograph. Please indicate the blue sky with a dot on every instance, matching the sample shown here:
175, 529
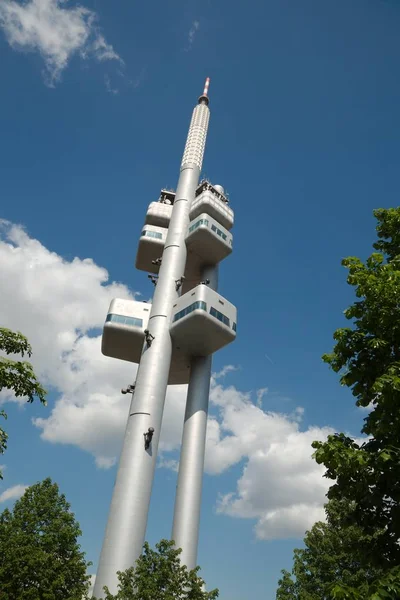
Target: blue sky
304, 135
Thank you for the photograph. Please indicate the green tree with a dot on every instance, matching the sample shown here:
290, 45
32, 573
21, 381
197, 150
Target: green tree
367, 356
331, 558
158, 574
287, 588
17, 375
40, 558
367, 474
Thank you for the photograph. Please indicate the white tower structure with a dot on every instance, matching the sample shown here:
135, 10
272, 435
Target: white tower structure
185, 236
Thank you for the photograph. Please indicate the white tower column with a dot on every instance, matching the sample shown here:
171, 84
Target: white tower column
127, 520
185, 530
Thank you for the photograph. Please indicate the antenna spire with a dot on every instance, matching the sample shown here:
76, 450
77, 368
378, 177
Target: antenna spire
204, 97
206, 86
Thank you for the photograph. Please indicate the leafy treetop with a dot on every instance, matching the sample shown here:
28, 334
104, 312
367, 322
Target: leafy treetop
367, 357
331, 559
159, 574
356, 555
16, 375
40, 558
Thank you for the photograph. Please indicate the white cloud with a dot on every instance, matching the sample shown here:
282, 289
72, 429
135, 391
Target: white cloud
109, 86
260, 395
170, 464
61, 305
13, 493
102, 50
281, 487
291, 521
56, 31
192, 33
223, 372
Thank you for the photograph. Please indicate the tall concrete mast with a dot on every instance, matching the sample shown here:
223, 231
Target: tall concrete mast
186, 524
184, 237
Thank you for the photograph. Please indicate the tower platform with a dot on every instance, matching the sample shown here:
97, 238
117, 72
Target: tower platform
209, 200
151, 245
123, 333
207, 241
202, 322
123, 337
158, 214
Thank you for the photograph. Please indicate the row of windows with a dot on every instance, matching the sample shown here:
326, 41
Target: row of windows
203, 306
221, 317
198, 223
213, 227
219, 232
132, 321
182, 313
158, 236
153, 234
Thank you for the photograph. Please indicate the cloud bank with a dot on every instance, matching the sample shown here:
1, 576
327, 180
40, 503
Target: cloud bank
12, 493
192, 34
56, 31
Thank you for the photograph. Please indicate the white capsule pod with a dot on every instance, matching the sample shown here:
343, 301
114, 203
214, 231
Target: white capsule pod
213, 203
123, 332
158, 214
150, 248
202, 322
207, 241
123, 337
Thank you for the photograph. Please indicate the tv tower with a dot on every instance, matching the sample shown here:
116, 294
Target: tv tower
184, 238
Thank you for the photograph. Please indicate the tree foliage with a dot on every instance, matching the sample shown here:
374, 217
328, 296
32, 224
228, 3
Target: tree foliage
159, 574
40, 558
17, 375
331, 559
366, 355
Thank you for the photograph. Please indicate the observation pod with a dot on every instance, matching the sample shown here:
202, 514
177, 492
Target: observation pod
207, 241
123, 337
159, 213
123, 333
151, 245
211, 201
202, 322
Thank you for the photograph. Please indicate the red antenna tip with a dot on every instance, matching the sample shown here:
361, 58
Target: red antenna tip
206, 86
